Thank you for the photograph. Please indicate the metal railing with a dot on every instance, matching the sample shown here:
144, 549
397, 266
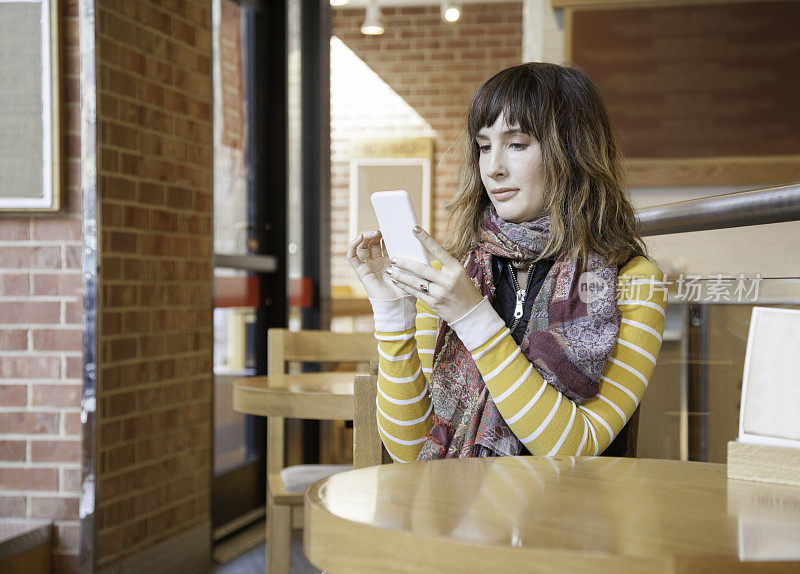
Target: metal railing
755, 207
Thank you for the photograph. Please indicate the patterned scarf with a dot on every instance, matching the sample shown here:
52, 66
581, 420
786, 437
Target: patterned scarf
572, 329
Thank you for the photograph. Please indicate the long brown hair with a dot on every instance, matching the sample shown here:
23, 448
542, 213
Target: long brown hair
561, 107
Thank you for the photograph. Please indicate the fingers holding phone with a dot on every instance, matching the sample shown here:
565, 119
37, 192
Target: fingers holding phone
368, 258
449, 291
369, 253
368, 245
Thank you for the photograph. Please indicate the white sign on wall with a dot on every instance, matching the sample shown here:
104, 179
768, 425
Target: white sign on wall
29, 98
771, 381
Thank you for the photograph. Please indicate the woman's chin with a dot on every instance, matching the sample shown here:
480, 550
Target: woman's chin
511, 216
517, 215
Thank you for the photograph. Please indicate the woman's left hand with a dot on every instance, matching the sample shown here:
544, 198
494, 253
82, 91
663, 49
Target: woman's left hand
449, 291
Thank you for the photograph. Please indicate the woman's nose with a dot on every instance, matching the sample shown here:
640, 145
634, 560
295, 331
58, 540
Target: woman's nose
496, 166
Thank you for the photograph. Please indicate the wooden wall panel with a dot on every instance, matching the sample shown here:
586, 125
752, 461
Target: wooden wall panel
699, 82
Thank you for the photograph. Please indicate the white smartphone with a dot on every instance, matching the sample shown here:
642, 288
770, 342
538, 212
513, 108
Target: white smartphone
396, 219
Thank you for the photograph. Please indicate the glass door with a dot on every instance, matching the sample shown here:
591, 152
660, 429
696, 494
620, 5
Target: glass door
249, 240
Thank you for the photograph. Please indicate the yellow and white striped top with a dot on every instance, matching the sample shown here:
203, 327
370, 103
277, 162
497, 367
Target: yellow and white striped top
541, 417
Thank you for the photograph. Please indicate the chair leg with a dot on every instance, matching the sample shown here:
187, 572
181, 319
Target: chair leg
279, 533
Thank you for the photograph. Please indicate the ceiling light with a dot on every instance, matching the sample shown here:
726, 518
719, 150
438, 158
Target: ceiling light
451, 11
372, 25
339, 2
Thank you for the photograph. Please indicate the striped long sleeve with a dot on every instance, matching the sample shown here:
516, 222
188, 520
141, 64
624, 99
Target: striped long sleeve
403, 406
546, 421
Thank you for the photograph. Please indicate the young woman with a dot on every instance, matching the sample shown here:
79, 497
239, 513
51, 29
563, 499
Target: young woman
537, 330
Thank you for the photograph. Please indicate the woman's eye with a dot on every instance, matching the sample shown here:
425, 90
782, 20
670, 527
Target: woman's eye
519, 146
485, 148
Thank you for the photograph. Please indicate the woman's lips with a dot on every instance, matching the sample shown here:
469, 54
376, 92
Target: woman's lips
503, 193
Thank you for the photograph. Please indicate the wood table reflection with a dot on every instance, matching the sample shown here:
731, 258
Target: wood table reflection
532, 514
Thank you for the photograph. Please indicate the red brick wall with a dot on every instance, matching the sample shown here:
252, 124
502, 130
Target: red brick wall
40, 339
435, 67
154, 354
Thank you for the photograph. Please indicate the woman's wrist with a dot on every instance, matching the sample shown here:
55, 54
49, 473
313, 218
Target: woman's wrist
393, 315
477, 325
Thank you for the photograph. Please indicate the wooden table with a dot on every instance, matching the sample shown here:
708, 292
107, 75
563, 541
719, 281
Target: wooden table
527, 514
301, 396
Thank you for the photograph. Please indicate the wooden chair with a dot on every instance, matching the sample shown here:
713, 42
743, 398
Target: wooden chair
368, 449
286, 486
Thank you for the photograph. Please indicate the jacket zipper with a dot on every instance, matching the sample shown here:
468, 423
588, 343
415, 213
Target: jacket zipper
521, 295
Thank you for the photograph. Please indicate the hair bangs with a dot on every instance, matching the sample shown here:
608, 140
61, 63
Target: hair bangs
507, 93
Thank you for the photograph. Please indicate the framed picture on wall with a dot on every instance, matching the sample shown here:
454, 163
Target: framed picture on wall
29, 123
382, 165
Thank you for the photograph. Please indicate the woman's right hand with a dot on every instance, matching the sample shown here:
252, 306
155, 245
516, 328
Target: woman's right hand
369, 259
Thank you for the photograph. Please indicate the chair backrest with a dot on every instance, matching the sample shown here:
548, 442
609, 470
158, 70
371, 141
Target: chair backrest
368, 449
310, 346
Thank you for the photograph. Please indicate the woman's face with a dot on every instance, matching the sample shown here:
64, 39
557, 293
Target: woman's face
511, 170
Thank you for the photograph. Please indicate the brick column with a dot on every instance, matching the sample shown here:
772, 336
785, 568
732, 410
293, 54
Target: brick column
155, 309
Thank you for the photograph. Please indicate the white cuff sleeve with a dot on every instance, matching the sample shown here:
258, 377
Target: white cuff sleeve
393, 315
477, 325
